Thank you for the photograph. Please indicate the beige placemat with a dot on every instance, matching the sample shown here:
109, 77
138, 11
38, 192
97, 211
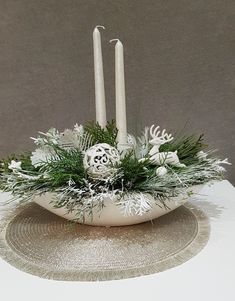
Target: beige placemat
38, 242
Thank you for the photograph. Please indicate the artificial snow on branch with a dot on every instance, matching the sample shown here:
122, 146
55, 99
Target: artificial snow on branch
83, 166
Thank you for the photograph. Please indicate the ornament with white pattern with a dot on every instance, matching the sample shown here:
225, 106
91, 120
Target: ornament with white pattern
100, 160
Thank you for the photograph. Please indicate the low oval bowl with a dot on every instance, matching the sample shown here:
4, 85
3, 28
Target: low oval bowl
112, 215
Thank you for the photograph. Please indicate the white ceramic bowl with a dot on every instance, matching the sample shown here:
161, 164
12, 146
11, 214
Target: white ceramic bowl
111, 214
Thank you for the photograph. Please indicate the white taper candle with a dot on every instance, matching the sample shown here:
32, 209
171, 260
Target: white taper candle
120, 93
99, 79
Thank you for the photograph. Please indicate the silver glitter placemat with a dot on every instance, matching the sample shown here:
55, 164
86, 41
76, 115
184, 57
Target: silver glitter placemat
43, 244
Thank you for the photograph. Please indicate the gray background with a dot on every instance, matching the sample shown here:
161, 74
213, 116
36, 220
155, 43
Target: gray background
179, 59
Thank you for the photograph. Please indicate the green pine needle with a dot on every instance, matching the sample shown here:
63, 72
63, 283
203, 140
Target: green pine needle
99, 135
187, 147
66, 165
133, 171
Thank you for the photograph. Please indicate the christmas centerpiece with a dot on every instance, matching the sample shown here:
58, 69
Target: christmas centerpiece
99, 174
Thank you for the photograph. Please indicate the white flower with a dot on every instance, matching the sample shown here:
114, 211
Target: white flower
79, 129
14, 165
201, 155
161, 171
38, 156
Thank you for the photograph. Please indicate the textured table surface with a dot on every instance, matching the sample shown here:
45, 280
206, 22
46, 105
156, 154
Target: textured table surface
207, 276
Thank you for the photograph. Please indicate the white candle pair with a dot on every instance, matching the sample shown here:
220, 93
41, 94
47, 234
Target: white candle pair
119, 86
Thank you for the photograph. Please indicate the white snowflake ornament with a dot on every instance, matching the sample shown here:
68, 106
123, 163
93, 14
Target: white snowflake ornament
100, 159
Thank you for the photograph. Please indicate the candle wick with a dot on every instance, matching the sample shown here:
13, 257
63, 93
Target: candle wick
114, 40
100, 26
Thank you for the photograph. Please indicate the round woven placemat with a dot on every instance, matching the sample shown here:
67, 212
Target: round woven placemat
43, 244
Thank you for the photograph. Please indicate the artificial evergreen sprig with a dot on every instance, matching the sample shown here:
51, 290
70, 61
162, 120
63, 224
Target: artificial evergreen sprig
102, 135
66, 165
133, 170
187, 147
60, 170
